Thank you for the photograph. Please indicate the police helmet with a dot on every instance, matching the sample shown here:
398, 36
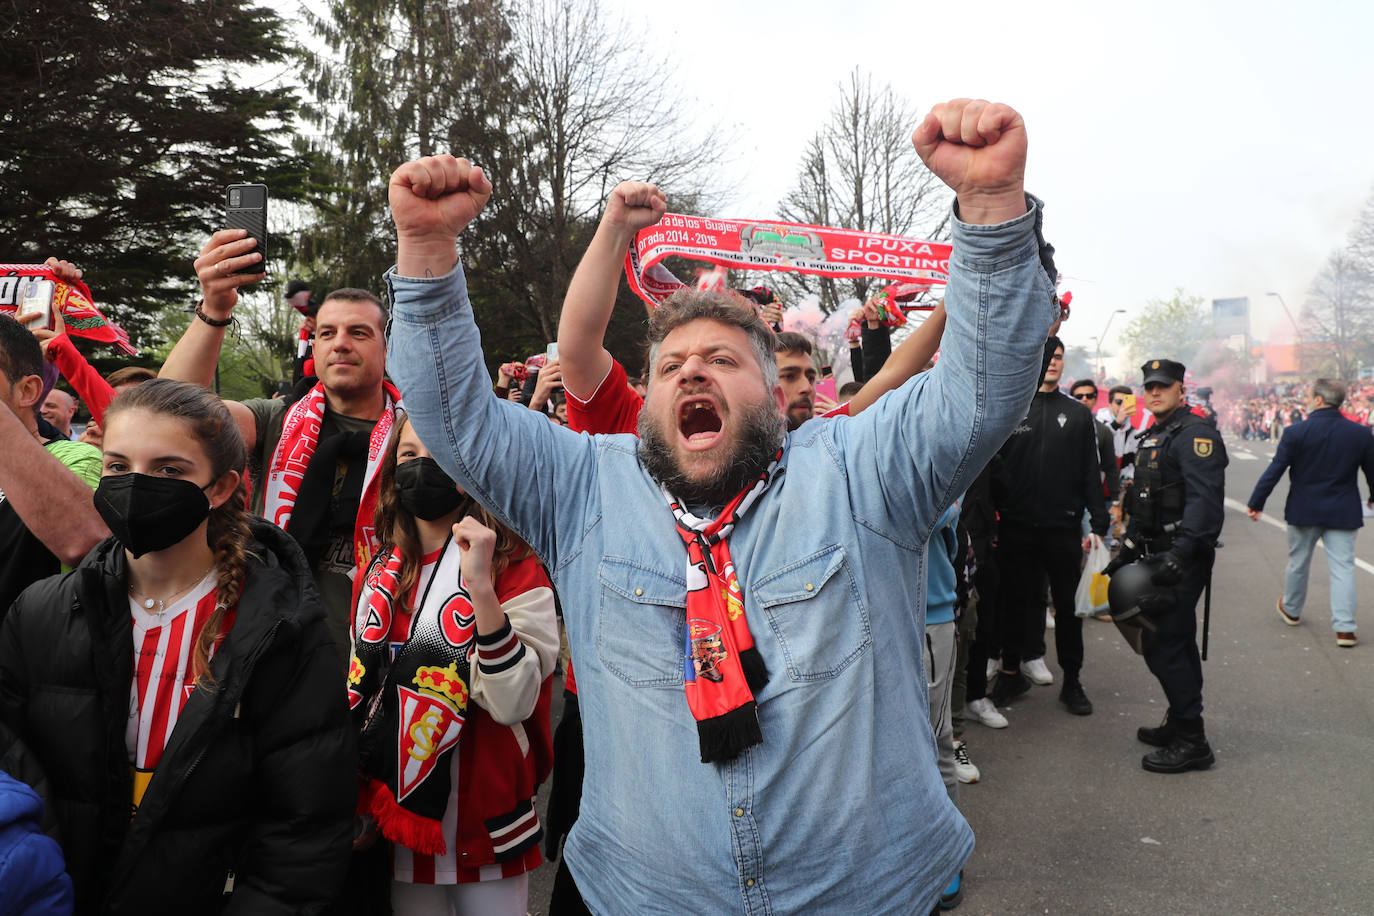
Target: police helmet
1129, 585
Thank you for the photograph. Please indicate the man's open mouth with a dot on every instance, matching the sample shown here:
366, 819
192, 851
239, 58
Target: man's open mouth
699, 421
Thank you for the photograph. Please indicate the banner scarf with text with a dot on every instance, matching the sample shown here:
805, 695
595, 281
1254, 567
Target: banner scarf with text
73, 300
777, 245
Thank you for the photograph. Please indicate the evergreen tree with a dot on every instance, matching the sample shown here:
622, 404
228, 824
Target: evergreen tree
120, 125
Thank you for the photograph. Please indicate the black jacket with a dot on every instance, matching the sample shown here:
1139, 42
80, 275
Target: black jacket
1050, 467
257, 780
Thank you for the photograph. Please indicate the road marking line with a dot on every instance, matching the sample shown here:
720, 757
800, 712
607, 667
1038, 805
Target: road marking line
1270, 520
1245, 456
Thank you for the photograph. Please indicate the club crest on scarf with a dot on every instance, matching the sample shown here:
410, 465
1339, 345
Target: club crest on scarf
431, 721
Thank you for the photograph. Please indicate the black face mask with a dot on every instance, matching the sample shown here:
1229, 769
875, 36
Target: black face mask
147, 513
425, 490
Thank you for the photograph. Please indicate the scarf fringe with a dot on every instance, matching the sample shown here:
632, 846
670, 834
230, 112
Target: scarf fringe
725, 736
755, 669
414, 832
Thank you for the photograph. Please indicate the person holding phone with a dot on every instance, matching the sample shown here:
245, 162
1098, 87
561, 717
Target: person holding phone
195, 687
315, 460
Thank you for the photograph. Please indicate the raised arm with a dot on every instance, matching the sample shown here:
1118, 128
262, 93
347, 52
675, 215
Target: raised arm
926, 442
52, 502
632, 206
535, 477
908, 360
196, 354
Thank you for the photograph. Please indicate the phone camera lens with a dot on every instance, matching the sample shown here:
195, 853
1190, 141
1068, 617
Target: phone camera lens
235, 198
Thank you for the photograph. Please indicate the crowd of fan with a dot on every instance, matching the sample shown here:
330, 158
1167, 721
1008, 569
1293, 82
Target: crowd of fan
267, 558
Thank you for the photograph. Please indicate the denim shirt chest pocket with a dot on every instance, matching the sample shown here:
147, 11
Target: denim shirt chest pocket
642, 624
816, 610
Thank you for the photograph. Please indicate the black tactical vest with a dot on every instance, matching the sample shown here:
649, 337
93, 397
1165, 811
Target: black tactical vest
1157, 492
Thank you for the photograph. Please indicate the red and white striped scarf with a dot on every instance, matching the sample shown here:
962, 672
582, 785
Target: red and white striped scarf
300, 435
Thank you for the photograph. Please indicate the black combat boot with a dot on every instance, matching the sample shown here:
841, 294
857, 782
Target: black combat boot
1188, 750
1161, 736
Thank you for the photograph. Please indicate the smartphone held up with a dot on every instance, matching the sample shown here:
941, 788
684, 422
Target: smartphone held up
35, 298
245, 207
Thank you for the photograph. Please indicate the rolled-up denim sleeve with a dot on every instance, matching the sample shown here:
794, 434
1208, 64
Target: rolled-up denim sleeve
910, 454
535, 477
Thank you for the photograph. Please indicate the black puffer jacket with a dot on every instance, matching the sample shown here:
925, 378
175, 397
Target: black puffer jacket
257, 780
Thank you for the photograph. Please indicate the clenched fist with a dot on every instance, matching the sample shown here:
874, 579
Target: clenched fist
432, 200
978, 148
632, 206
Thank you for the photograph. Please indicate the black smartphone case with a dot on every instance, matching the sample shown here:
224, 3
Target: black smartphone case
255, 221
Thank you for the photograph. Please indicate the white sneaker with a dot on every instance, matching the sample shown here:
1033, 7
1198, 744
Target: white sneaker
994, 665
1035, 670
985, 713
964, 770
1049, 619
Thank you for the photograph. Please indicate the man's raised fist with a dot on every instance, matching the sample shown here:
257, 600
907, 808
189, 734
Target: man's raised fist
634, 205
434, 198
978, 148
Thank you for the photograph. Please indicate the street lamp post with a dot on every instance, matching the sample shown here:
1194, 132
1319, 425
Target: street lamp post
1103, 337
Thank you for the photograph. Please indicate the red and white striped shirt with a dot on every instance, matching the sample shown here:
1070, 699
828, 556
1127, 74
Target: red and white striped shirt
163, 645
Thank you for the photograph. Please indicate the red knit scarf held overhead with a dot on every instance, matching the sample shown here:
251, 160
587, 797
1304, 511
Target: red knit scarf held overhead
723, 668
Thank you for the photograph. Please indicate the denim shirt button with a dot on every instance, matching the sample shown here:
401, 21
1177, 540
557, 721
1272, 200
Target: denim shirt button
809, 587
639, 593
739, 812
749, 883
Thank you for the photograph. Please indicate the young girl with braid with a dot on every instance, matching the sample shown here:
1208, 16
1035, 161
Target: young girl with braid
177, 692
455, 641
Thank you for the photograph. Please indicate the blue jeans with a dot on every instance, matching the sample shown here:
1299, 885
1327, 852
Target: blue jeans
1340, 562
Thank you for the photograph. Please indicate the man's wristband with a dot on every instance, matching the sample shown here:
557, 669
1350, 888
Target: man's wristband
212, 322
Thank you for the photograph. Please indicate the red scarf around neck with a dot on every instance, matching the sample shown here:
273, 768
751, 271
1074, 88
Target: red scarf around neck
723, 668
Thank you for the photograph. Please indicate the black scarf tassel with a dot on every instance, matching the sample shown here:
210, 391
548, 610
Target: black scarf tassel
755, 669
725, 736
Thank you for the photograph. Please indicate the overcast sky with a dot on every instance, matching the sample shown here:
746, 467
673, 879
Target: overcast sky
1221, 147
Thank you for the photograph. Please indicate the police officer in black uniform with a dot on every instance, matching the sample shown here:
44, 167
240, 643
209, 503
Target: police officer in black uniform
1176, 512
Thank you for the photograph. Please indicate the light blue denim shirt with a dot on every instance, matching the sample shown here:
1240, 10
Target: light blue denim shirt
841, 808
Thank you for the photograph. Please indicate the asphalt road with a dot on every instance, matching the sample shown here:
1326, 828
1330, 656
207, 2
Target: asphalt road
1067, 822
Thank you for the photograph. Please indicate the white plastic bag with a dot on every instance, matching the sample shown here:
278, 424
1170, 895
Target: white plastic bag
1091, 597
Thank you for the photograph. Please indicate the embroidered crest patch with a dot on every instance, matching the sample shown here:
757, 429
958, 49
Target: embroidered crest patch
1202, 448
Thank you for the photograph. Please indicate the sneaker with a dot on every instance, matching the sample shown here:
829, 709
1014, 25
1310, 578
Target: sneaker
1049, 619
1035, 670
954, 893
1008, 686
1287, 618
983, 712
963, 767
1346, 640
1072, 696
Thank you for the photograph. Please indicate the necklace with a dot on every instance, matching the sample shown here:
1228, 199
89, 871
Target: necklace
162, 603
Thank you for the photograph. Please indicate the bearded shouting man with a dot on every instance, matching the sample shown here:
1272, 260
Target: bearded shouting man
738, 598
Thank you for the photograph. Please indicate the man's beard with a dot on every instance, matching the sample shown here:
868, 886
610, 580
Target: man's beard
762, 430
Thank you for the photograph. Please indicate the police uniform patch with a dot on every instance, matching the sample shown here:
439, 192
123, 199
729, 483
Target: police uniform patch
1202, 448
